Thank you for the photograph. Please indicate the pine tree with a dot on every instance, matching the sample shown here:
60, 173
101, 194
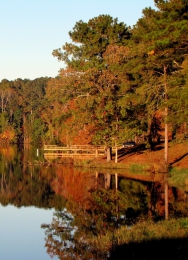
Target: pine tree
159, 44
97, 86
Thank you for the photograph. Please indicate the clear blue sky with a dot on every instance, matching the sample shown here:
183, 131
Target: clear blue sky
31, 29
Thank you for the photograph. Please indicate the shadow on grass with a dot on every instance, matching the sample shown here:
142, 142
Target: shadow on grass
158, 147
129, 151
178, 159
172, 249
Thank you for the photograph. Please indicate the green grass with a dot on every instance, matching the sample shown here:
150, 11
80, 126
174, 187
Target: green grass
142, 232
178, 178
133, 168
137, 168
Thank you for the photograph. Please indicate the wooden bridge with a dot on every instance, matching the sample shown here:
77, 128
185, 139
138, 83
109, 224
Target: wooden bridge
74, 151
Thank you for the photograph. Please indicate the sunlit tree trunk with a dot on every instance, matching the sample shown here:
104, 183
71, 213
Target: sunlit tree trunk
96, 152
116, 181
116, 151
166, 139
97, 176
166, 123
108, 154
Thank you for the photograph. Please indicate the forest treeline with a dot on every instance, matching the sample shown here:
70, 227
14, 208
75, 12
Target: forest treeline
120, 82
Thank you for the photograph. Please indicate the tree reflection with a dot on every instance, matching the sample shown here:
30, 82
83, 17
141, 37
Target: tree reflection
65, 241
102, 214
23, 189
97, 204
97, 213
59, 237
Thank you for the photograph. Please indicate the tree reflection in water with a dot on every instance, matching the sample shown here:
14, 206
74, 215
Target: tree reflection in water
97, 204
71, 237
95, 216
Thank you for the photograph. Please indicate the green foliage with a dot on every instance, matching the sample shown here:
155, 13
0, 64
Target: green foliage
21, 100
135, 195
118, 80
178, 178
3, 122
38, 131
90, 42
136, 168
106, 202
98, 86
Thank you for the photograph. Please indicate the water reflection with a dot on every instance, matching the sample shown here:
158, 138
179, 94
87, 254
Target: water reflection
87, 204
27, 201
101, 203
157, 199
21, 236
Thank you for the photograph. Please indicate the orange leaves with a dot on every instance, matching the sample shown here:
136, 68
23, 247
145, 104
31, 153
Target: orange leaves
71, 183
103, 81
152, 52
63, 85
116, 54
8, 152
8, 135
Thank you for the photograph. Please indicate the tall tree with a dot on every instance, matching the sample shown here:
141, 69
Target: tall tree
97, 85
90, 41
159, 44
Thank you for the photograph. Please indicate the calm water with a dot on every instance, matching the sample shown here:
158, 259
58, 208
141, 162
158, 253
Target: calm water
24, 207
33, 193
21, 234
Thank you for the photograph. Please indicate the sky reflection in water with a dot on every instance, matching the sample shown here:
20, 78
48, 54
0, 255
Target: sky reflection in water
21, 234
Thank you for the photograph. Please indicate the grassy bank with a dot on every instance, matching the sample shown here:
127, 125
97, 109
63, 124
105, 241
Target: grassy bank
146, 241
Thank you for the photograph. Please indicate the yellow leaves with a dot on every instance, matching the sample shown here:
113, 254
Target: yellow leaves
8, 135
185, 64
152, 52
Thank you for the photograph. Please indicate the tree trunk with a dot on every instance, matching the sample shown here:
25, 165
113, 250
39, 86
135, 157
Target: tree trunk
166, 200
166, 123
109, 154
149, 137
116, 153
116, 181
96, 153
166, 138
107, 181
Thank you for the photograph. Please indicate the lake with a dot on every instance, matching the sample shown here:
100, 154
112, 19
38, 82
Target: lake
38, 198
21, 233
